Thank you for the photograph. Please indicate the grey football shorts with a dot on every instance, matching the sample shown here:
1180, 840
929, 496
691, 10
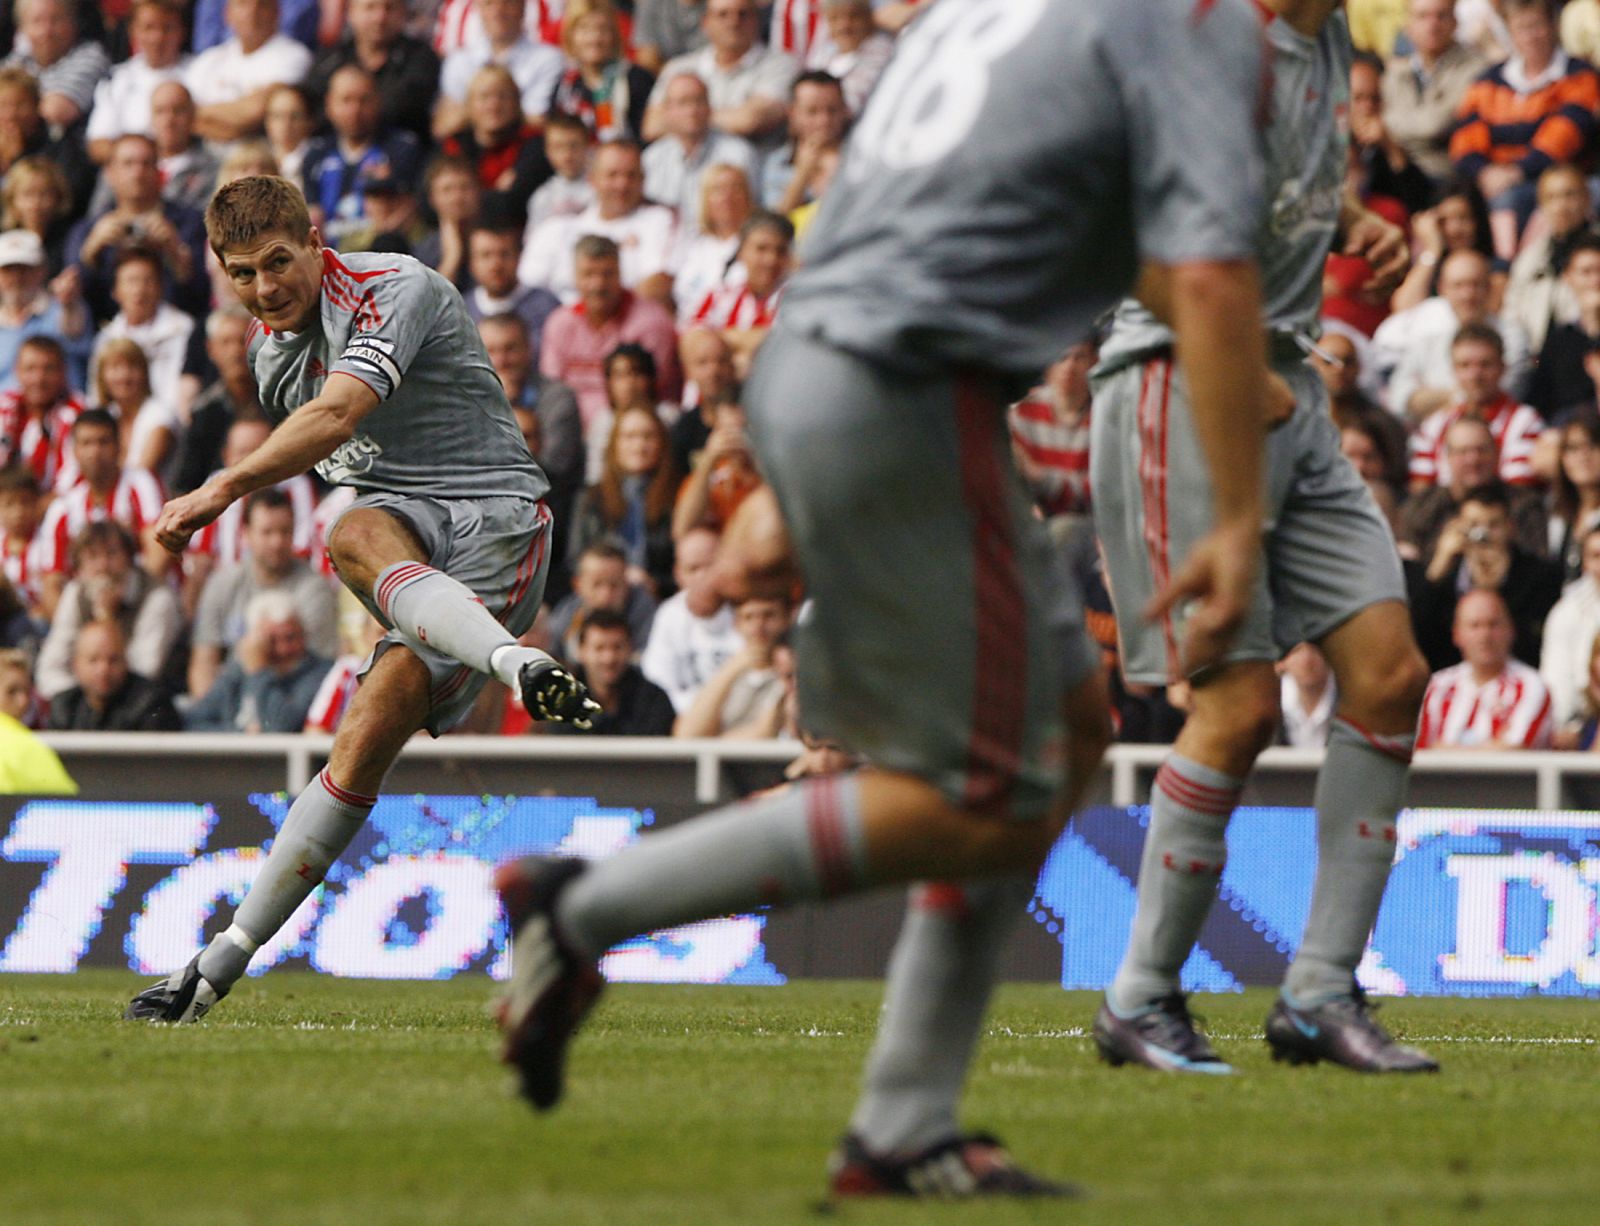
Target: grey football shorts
1328, 550
499, 548
943, 631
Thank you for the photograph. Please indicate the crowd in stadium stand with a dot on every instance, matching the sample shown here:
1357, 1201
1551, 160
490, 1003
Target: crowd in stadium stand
620, 191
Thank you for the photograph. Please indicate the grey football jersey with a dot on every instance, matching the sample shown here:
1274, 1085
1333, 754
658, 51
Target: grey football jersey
1306, 142
444, 429
1016, 162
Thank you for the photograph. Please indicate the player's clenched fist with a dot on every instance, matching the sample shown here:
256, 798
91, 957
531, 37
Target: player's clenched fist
183, 517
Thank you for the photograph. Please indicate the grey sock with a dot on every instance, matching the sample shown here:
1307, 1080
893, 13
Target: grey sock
321, 823
804, 842
1185, 852
1360, 790
940, 979
428, 607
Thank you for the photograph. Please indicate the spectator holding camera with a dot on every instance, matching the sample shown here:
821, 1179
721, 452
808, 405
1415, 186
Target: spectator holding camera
1476, 551
1490, 700
1473, 459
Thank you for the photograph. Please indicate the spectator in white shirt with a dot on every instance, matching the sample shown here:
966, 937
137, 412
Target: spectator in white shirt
1489, 700
1308, 697
1569, 635
749, 83
702, 262
231, 83
567, 192
692, 635
122, 100
149, 427
675, 165
536, 67
644, 233
1414, 345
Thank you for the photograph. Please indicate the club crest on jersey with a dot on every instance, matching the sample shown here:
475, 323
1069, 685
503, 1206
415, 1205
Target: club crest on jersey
352, 459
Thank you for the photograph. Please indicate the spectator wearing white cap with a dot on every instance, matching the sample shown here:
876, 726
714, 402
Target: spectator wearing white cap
29, 308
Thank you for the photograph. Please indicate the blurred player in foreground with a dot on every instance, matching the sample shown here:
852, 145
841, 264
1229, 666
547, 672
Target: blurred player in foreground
375, 375
1019, 165
1332, 577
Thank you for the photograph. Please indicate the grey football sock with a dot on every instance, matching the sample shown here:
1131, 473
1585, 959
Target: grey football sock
804, 842
940, 979
1360, 790
428, 607
321, 823
1185, 852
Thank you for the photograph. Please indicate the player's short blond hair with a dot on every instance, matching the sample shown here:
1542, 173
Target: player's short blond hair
245, 211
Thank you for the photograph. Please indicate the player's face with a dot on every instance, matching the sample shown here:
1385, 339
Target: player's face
604, 655
158, 36
16, 695
278, 280
638, 443
1479, 370
1580, 458
41, 377
95, 449
1483, 631
270, 538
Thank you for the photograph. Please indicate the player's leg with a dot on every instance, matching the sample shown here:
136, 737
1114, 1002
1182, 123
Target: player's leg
385, 558
939, 982
1152, 501
391, 704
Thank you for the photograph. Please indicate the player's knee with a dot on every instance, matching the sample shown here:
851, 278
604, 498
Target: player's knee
1246, 718
1386, 690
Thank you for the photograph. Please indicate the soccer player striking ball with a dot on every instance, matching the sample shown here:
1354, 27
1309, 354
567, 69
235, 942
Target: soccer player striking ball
375, 375
1018, 163
1332, 577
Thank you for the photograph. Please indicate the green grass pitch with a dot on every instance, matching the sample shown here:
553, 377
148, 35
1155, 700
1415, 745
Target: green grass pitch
307, 1100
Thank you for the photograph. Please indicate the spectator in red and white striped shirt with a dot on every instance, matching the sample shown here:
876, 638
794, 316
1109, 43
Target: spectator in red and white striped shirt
1050, 433
1489, 700
19, 520
743, 307
1478, 356
131, 496
37, 415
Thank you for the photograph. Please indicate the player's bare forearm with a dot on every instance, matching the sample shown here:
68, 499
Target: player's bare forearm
309, 435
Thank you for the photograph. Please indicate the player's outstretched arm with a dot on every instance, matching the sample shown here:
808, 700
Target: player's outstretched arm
309, 435
1214, 307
